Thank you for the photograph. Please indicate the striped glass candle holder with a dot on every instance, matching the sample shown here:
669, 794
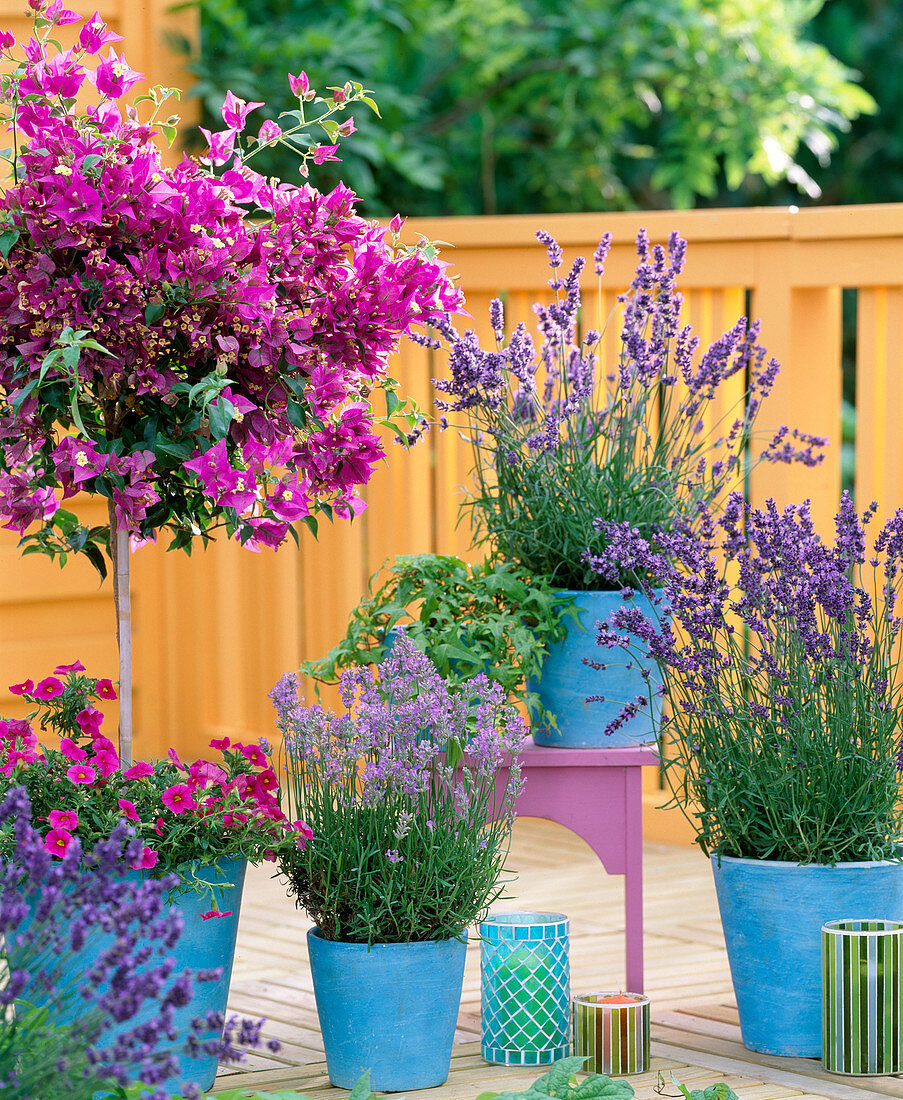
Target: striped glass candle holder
862, 996
612, 1030
525, 970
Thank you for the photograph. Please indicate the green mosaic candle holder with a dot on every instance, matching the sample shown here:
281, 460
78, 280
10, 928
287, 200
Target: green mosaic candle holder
862, 997
525, 970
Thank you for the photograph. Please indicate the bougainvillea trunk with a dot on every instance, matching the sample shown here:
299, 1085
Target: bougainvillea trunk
119, 551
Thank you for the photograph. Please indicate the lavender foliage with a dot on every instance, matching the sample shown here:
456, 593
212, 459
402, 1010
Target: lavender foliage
560, 435
116, 1024
780, 656
410, 832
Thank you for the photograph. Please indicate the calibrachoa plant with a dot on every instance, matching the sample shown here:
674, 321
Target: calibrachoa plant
408, 836
558, 442
781, 662
198, 344
207, 810
115, 1024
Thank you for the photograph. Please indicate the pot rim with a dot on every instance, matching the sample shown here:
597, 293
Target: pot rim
637, 593
349, 945
715, 859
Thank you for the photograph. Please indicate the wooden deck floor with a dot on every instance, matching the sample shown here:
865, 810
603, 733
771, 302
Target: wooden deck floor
694, 1020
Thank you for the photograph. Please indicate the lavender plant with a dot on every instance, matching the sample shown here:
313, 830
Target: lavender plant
409, 833
556, 443
118, 1022
780, 658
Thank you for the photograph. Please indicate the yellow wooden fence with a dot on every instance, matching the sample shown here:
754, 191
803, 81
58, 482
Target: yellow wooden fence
213, 632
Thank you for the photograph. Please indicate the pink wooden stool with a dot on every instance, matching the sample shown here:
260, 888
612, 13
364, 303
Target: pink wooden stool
597, 793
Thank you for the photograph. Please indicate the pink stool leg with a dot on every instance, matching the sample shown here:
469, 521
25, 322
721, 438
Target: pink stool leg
633, 879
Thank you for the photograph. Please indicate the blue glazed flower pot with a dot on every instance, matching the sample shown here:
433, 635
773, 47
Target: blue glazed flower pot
203, 944
566, 682
772, 913
390, 1009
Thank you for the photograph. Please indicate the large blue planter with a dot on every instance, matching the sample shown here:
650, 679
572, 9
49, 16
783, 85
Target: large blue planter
390, 1009
566, 682
772, 913
202, 945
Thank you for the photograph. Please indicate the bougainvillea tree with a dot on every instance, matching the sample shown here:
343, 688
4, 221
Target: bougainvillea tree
199, 345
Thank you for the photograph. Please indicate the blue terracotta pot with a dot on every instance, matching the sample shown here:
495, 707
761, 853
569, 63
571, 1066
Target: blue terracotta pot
390, 1009
566, 682
203, 944
772, 913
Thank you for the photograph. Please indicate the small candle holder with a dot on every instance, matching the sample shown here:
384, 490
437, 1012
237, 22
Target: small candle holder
612, 1029
525, 970
862, 997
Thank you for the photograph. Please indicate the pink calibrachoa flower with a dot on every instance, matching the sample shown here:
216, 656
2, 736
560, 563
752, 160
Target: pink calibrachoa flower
254, 755
211, 913
57, 841
74, 752
48, 688
64, 670
128, 809
81, 773
105, 689
107, 763
25, 688
89, 720
140, 770
63, 819
205, 771
220, 743
267, 780
146, 860
179, 798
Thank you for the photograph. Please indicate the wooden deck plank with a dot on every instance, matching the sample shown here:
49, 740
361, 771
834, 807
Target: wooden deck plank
696, 1031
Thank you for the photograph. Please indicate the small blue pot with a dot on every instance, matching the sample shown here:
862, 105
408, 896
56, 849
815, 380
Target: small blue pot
772, 913
565, 682
203, 944
390, 1009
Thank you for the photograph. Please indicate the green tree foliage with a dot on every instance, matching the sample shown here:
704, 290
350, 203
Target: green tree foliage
533, 105
867, 165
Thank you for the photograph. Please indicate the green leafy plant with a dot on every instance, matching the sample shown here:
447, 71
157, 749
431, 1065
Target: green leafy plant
562, 1084
721, 1091
490, 617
